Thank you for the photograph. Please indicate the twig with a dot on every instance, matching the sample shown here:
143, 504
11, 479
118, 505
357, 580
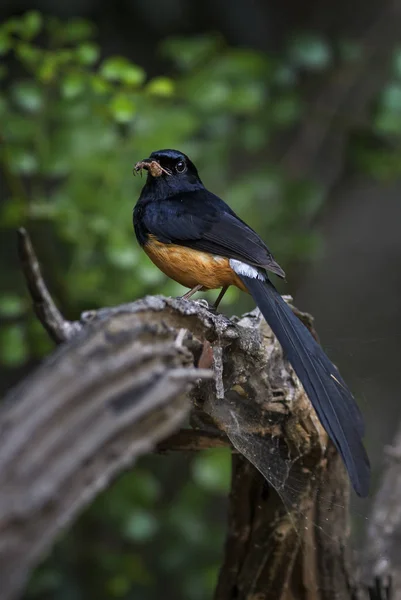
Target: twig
45, 309
190, 440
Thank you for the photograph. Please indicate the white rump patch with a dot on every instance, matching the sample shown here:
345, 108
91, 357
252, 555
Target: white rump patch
242, 268
218, 258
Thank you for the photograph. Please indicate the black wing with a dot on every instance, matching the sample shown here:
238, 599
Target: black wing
202, 221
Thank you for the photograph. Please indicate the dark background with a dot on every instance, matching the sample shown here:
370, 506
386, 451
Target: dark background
319, 180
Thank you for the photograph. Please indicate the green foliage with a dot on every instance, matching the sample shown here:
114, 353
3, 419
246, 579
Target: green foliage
210, 470
310, 51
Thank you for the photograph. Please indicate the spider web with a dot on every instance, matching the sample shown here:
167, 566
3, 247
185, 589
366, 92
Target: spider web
245, 423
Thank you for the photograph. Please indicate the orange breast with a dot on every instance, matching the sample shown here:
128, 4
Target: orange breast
191, 267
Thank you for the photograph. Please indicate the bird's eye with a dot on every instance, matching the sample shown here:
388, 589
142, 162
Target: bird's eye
181, 167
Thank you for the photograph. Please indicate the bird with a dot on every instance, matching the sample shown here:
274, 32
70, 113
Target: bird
196, 239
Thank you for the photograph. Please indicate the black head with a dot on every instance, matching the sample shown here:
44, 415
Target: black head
169, 172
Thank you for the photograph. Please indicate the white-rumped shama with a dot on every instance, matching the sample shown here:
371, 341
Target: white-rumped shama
196, 239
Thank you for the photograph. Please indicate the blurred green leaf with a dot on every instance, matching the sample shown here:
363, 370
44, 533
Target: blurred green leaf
11, 305
388, 117
12, 213
5, 42
141, 525
28, 95
77, 30
123, 257
28, 54
212, 470
310, 52
88, 53
40, 343
122, 108
209, 96
118, 586
397, 62
161, 86
13, 347
73, 84
31, 24
388, 123
99, 85
121, 69
248, 99
22, 161
48, 67
189, 53
286, 111
392, 97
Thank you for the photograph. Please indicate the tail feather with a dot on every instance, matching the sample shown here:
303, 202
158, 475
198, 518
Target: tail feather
332, 400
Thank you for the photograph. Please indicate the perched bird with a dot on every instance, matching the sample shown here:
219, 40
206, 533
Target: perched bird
196, 239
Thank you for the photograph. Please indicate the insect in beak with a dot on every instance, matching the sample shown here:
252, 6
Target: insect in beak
154, 168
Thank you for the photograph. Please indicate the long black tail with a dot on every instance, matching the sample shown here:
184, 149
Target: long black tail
330, 397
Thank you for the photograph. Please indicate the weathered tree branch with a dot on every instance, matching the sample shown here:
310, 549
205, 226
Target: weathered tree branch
119, 387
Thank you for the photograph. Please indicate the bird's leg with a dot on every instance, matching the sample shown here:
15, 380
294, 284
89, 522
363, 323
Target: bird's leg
188, 295
220, 297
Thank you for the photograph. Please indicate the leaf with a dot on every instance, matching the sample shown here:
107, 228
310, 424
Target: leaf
388, 123
122, 108
392, 97
28, 54
141, 526
12, 213
161, 86
310, 52
28, 95
118, 586
48, 68
22, 161
123, 257
188, 53
121, 69
212, 471
72, 85
31, 24
247, 99
211, 97
77, 30
13, 347
286, 111
11, 305
5, 43
99, 85
88, 53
